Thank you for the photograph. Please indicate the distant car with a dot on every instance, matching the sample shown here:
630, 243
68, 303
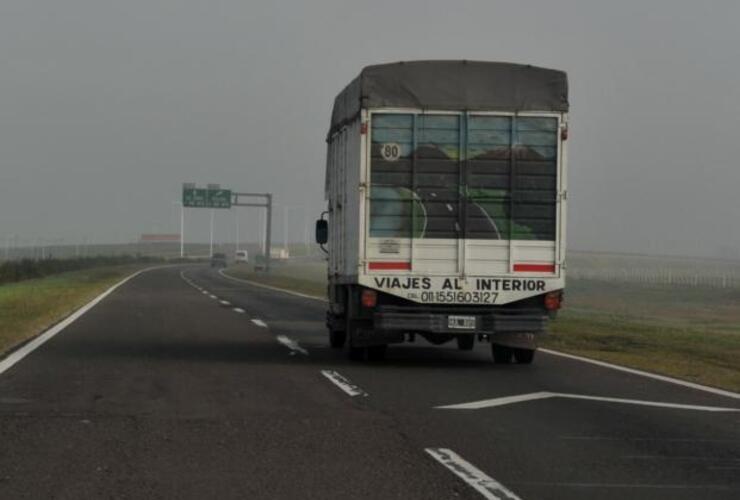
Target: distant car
218, 260
241, 256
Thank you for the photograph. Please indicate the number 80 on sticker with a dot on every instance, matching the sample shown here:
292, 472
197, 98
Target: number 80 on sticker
390, 151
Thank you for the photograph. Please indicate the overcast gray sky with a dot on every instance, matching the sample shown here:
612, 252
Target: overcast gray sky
106, 107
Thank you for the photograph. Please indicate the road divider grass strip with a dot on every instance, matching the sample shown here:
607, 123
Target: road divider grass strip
480, 481
343, 383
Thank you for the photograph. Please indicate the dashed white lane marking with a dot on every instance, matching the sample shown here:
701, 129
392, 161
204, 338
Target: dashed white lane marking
260, 285
224, 302
204, 292
507, 400
17, 355
482, 483
291, 344
239, 310
213, 296
343, 383
449, 207
259, 322
662, 378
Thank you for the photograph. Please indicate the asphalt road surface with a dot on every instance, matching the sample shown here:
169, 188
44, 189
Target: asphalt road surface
185, 384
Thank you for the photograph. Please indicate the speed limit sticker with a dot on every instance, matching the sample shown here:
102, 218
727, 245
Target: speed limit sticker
390, 151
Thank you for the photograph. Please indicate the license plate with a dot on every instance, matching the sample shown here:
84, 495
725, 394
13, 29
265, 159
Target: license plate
461, 322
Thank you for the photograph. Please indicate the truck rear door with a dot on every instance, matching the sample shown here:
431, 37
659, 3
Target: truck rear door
466, 194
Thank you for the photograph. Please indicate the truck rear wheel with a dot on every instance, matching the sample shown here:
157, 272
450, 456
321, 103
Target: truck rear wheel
524, 356
501, 354
337, 338
465, 342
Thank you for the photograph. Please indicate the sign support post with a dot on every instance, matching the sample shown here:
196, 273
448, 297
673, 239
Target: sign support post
215, 197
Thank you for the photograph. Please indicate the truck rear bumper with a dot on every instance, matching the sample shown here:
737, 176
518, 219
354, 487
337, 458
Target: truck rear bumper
511, 321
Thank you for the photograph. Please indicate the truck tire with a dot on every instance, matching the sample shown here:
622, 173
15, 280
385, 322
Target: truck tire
465, 342
376, 352
524, 356
501, 354
337, 338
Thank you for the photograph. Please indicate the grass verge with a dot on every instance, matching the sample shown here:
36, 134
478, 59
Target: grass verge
688, 333
686, 353
29, 307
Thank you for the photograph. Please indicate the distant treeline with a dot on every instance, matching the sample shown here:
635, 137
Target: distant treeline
18, 270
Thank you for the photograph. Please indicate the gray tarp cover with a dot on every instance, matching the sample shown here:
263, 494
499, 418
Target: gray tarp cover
452, 85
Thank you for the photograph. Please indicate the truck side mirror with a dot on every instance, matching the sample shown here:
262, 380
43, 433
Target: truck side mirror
322, 231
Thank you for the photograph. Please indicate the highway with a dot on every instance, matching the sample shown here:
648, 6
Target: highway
185, 384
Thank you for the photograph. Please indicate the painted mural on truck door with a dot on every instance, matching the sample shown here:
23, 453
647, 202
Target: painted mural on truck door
463, 176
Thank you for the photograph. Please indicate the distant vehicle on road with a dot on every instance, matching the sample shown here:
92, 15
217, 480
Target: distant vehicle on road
279, 253
241, 257
218, 260
446, 210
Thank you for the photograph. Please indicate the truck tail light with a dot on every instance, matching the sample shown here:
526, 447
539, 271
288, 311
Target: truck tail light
369, 298
553, 300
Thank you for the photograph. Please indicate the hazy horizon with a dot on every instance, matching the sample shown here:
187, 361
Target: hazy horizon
107, 108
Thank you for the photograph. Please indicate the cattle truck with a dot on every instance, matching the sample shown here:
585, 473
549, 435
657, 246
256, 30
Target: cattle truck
446, 191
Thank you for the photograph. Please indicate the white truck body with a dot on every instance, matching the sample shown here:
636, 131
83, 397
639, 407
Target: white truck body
447, 194
434, 270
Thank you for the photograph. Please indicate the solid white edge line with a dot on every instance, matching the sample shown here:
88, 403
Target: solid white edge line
343, 383
655, 376
254, 283
479, 480
658, 404
291, 344
20, 353
603, 364
259, 322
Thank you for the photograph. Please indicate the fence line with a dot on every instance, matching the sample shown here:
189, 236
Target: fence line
660, 277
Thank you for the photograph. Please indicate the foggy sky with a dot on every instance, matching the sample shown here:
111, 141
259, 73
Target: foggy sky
106, 107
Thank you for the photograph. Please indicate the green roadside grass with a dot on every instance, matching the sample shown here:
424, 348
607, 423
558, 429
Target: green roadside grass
27, 308
688, 333
687, 353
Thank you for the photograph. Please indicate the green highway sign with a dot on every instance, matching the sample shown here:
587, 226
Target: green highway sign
205, 198
195, 197
219, 198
